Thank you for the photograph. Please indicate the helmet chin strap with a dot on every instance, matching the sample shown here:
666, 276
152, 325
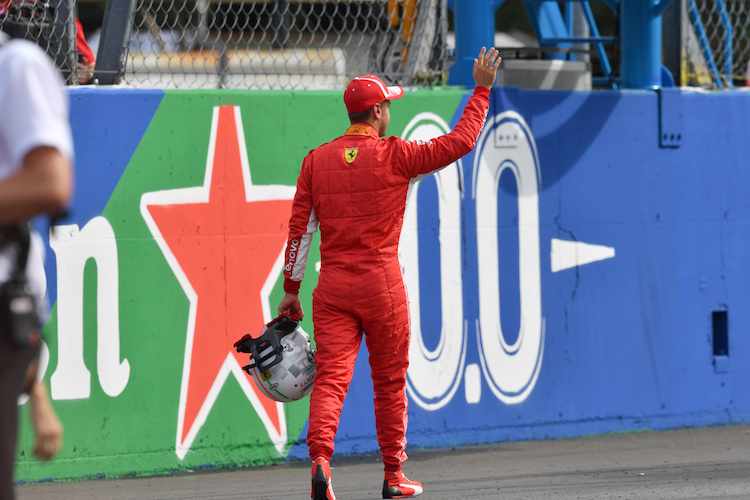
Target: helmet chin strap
281, 361
265, 351
294, 316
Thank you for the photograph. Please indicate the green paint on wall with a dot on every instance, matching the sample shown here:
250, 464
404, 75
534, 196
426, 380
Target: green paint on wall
134, 432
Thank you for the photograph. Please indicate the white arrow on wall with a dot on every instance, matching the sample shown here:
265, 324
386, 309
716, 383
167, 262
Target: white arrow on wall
566, 254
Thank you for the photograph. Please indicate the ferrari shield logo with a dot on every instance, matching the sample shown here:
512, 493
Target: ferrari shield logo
350, 154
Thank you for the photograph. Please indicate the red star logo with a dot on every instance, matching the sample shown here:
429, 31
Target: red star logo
224, 242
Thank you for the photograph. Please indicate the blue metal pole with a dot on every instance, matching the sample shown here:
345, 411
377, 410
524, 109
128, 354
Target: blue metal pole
700, 32
600, 52
640, 28
728, 46
474, 22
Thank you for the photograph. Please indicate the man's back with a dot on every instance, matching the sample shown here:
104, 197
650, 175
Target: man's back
359, 193
355, 188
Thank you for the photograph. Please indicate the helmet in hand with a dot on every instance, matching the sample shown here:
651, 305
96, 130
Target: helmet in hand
282, 363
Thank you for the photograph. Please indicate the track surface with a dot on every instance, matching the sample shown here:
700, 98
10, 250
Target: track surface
682, 464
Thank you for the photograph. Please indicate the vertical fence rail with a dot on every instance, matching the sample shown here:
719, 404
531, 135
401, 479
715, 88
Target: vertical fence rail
110, 57
65, 31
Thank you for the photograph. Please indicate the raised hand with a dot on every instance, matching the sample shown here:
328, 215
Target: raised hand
485, 67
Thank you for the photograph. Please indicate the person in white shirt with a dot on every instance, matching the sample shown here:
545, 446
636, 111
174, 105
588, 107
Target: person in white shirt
36, 178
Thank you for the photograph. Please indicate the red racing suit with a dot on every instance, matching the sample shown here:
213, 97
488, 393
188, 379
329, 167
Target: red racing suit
354, 188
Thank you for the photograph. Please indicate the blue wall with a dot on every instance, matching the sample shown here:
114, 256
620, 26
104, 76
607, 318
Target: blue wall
628, 340
617, 339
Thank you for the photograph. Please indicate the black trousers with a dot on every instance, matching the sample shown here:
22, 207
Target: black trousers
14, 363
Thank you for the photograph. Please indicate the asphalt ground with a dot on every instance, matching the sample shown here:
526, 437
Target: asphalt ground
681, 464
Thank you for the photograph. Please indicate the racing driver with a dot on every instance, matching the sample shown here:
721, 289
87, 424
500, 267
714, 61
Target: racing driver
354, 188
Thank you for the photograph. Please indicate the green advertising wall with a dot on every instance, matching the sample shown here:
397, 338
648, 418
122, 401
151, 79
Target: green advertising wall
171, 254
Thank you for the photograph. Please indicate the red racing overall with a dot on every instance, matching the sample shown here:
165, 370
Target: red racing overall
354, 188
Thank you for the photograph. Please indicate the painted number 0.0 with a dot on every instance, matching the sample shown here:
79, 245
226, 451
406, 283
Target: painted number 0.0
510, 370
434, 374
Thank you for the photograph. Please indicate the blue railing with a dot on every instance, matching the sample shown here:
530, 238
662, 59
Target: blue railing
639, 39
552, 30
700, 32
726, 42
474, 25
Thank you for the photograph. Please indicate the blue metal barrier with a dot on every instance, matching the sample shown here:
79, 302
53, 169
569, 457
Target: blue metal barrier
640, 26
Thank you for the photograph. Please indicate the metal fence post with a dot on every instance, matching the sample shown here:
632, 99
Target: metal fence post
640, 25
672, 40
475, 28
110, 58
65, 30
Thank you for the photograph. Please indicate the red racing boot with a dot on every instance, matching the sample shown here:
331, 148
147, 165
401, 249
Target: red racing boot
396, 485
321, 480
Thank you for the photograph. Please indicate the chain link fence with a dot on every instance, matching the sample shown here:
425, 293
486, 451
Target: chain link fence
51, 24
716, 43
285, 44
321, 44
